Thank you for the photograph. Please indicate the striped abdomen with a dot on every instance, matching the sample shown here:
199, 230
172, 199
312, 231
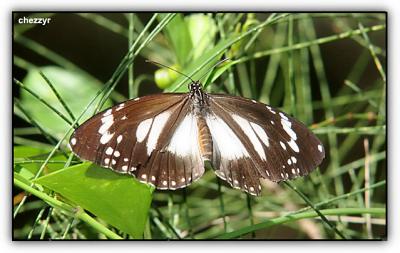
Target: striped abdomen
205, 139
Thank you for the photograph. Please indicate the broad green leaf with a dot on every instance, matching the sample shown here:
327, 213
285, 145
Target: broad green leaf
202, 30
118, 199
179, 38
76, 89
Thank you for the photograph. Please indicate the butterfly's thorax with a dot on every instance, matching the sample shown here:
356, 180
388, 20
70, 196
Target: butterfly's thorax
198, 97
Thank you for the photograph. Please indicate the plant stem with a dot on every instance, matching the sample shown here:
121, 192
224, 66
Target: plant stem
295, 217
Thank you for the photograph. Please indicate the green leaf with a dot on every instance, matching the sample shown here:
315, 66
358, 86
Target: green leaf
179, 38
75, 88
202, 30
120, 200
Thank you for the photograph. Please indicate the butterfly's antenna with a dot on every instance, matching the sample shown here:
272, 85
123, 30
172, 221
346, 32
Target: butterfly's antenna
162, 65
215, 65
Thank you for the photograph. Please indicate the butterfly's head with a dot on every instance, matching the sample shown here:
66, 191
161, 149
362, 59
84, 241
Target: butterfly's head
194, 87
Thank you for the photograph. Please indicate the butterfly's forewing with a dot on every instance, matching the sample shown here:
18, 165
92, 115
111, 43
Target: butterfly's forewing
273, 145
135, 137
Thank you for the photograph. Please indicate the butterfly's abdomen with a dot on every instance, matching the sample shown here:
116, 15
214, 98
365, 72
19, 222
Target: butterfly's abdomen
205, 139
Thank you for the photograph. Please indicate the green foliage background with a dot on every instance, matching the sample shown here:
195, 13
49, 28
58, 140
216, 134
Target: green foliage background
326, 69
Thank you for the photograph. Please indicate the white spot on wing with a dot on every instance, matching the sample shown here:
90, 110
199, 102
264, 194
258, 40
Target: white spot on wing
106, 137
283, 145
293, 145
283, 116
270, 109
125, 168
294, 160
287, 126
107, 160
117, 154
124, 117
119, 138
108, 112
156, 128
164, 183
142, 129
73, 141
289, 161
245, 125
107, 123
144, 176
126, 159
261, 133
120, 106
319, 147
225, 139
109, 150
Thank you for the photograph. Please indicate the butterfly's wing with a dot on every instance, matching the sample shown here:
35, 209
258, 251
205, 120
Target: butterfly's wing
141, 137
269, 143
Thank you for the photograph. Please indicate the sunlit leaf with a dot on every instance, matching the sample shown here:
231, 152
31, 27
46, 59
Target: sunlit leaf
118, 199
75, 89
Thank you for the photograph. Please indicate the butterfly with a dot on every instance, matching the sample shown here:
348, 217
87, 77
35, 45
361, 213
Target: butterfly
168, 139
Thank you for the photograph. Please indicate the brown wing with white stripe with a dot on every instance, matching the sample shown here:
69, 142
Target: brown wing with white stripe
260, 141
146, 137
